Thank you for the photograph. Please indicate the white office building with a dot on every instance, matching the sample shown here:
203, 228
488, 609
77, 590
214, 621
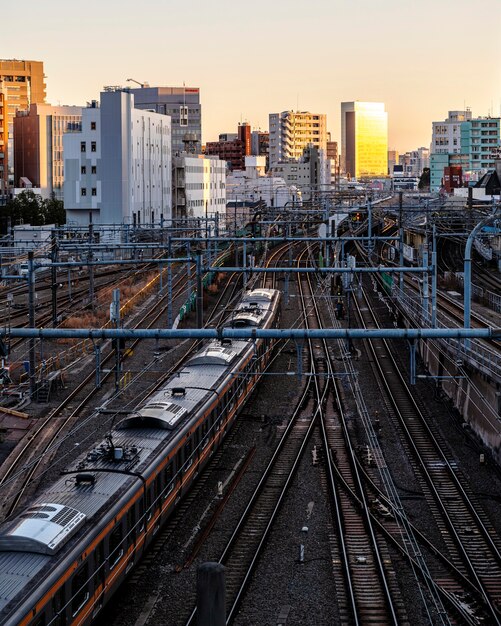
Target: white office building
199, 186
119, 166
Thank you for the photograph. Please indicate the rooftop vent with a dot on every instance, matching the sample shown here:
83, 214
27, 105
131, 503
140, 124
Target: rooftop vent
43, 529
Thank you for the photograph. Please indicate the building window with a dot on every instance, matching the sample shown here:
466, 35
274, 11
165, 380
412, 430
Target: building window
83, 191
93, 125
183, 116
83, 147
83, 170
94, 191
93, 169
92, 146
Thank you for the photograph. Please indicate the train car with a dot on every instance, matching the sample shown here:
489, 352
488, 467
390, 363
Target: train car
63, 557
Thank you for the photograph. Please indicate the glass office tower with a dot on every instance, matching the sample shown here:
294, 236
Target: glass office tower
364, 139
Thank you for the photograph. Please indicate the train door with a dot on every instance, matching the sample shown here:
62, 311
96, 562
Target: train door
80, 590
115, 545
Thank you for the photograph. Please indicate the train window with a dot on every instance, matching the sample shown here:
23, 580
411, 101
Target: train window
58, 608
99, 562
168, 479
80, 589
188, 456
148, 503
116, 549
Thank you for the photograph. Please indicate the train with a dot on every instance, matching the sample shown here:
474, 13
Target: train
64, 555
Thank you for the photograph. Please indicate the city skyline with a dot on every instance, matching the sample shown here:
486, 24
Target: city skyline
324, 54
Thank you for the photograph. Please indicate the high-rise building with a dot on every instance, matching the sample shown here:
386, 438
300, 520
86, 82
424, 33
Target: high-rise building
183, 105
118, 167
4, 140
364, 139
293, 131
244, 134
38, 145
22, 84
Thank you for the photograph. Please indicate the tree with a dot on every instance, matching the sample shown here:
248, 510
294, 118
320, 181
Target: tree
424, 180
55, 211
30, 208
27, 208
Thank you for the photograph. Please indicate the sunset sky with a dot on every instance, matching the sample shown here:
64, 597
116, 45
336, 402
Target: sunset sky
421, 58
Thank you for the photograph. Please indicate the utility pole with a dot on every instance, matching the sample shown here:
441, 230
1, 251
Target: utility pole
200, 295
31, 321
89, 258
53, 271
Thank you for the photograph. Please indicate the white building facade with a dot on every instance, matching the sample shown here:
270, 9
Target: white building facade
119, 167
293, 131
199, 186
446, 135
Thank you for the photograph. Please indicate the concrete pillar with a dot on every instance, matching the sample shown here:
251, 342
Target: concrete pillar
211, 592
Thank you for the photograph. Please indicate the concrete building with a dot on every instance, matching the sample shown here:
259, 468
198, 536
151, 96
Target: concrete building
4, 140
393, 159
446, 134
260, 144
119, 166
184, 107
464, 141
38, 145
251, 189
481, 141
22, 84
293, 131
232, 152
198, 186
364, 139
415, 161
311, 173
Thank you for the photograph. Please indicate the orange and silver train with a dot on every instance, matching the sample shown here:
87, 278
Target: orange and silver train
63, 557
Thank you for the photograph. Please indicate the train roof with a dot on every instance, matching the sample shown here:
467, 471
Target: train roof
94, 483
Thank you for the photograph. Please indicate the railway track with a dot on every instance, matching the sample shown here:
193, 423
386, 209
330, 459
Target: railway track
366, 587
471, 542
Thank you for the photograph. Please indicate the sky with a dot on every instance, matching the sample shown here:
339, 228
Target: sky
421, 58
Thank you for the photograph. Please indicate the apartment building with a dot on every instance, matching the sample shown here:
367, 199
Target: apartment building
22, 84
291, 132
38, 145
464, 141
